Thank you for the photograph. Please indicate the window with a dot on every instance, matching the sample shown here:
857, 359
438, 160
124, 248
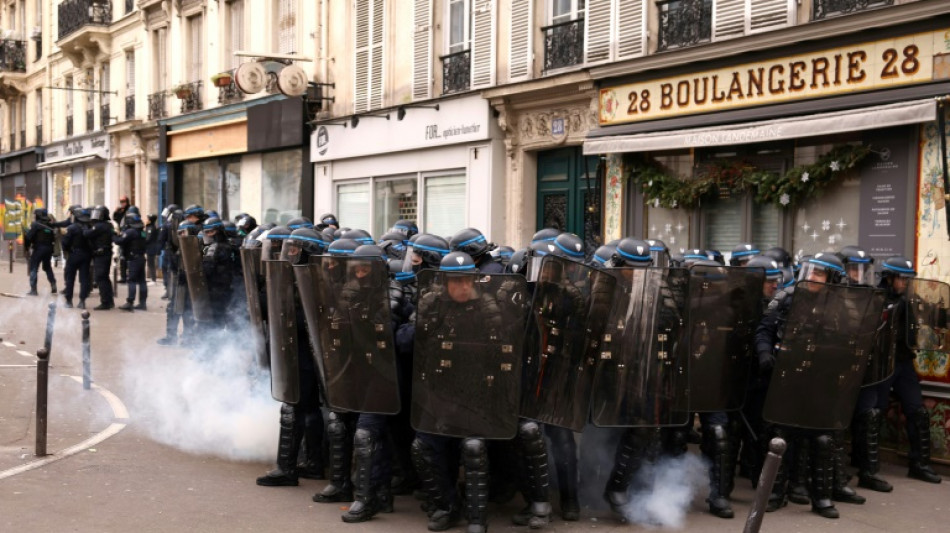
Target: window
232, 188
281, 186
160, 65
130, 73
201, 184
368, 60
22, 121
62, 187
444, 205
96, 186
394, 199
39, 116
286, 18
90, 86
195, 50
567, 10
235, 26
460, 26
353, 205
105, 85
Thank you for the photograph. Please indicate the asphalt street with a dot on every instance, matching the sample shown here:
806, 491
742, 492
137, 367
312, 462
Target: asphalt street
123, 460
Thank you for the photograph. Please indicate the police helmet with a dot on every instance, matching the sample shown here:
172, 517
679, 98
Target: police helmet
470, 241
169, 209
772, 270
431, 249
338, 232
545, 234
658, 251
329, 219
898, 266
211, 213
392, 244
82, 215
195, 210
827, 265
358, 235
603, 257
693, 255
405, 227
742, 253
213, 230
569, 245
245, 223
273, 242
518, 262
343, 247
230, 229
781, 256
134, 221
457, 262
100, 213
502, 254
41, 214
152, 218
632, 252
370, 251
858, 265
301, 245
716, 255
398, 271
300, 222
133, 209
329, 234
187, 228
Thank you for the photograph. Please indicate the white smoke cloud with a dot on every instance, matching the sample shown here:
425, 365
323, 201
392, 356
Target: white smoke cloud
663, 491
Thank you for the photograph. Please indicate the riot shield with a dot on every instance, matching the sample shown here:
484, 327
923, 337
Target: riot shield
724, 308
251, 267
565, 324
821, 361
642, 375
311, 300
467, 356
282, 331
354, 331
882, 357
197, 285
927, 302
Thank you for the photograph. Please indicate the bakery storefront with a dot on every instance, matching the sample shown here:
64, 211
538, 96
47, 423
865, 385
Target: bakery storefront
77, 173
810, 148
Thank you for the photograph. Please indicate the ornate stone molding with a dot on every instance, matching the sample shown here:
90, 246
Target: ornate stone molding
555, 126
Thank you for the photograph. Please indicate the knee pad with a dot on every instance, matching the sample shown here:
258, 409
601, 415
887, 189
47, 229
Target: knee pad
824, 443
475, 454
336, 428
529, 431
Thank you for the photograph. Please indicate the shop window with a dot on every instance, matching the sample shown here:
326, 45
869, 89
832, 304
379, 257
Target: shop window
281, 186
830, 220
200, 184
96, 186
353, 205
62, 188
394, 199
444, 204
232, 188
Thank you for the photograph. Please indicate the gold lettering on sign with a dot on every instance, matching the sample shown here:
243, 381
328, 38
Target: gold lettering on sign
862, 67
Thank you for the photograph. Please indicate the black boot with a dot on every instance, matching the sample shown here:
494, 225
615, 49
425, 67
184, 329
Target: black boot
534, 456
721, 470
823, 476
630, 455
53, 287
32, 291
82, 303
475, 458
68, 304
564, 453
141, 307
127, 306
798, 469
918, 433
865, 442
312, 467
443, 513
285, 475
365, 504
842, 492
340, 488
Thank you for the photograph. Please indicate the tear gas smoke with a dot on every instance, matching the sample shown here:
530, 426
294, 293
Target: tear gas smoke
664, 491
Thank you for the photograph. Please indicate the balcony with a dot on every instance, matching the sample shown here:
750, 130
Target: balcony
823, 9
563, 44
69, 125
156, 106
84, 29
12, 56
90, 119
684, 23
456, 72
190, 96
130, 107
104, 116
229, 94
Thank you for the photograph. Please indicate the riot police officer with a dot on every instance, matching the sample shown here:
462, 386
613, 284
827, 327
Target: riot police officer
742, 254
40, 238
100, 237
217, 264
472, 242
78, 259
132, 243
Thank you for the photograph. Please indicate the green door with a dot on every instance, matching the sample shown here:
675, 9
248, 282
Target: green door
569, 193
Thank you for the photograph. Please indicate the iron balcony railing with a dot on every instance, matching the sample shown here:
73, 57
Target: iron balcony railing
822, 9
191, 98
156, 106
456, 72
130, 107
105, 117
69, 124
74, 14
229, 93
12, 56
563, 44
90, 119
684, 23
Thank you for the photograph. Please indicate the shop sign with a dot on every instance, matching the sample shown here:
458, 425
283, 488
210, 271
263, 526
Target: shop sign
861, 67
89, 146
883, 220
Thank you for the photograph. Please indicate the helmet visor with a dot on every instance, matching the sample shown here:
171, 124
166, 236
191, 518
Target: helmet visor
859, 273
271, 249
817, 273
292, 252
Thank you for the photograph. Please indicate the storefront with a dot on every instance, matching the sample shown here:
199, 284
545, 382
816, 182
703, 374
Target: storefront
77, 173
443, 168
249, 157
811, 148
21, 187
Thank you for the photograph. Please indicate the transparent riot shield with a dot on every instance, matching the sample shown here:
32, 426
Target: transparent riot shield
723, 309
467, 355
565, 323
310, 300
927, 302
354, 331
251, 267
821, 362
197, 285
642, 375
282, 331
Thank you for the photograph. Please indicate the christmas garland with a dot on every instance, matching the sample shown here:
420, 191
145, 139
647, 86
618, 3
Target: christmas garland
662, 189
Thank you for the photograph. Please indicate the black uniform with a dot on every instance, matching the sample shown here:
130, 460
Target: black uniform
218, 267
132, 242
40, 238
78, 260
100, 237
153, 247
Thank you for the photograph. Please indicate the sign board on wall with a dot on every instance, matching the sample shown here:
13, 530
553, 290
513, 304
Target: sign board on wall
456, 121
883, 220
98, 146
861, 67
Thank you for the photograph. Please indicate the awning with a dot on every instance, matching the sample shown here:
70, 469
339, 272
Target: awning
865, 118
68, 161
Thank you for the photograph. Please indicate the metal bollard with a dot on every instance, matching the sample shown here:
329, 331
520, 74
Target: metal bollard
86, 354
42, 388
10, 248
115, 278
773, 460
50, 323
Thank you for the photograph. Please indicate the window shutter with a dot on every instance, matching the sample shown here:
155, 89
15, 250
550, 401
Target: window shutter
197, 49
376, 79
421, 49
630, 35
729, 18
105, 83
597, 30
483, 44
519, 57
769, 14
287, 26
361, 83
445, 204
130, 73
237, 31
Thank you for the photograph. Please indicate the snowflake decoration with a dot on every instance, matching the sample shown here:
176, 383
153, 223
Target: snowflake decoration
805, 177
673, 205
831, 239
679, 227
653, 229
656, 202
814, 236
806, 227
673, 240
650, 183
835, 166
825, 225
841, 224
668, 228
784, 199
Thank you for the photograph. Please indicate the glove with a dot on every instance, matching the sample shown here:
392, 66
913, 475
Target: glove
766, 362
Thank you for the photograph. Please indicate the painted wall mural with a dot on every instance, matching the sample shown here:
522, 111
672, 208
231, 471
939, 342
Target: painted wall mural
613, 198
16, 215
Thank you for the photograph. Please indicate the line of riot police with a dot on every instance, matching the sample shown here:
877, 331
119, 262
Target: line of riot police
434, 354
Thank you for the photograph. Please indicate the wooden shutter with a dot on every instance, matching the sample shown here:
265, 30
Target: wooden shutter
729, 18
376, 78
519, 37
130, 73
421, 49
105, 84
770, 14
287, 26
597, 30
236, 30
483, 43
630, 34
361, 61
197, 50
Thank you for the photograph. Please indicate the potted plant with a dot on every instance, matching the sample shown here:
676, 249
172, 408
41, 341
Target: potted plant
182, 90
222, 79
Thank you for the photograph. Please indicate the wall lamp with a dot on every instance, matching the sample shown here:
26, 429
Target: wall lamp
355, 120
401, 111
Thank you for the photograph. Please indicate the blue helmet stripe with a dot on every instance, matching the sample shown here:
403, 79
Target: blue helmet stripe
859, 259
572, 253
405, 276
457, 268
745, 253
900, 269
480, 238
829, 265
431, 248
308, 239
340, 252
547, 239
632, 257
